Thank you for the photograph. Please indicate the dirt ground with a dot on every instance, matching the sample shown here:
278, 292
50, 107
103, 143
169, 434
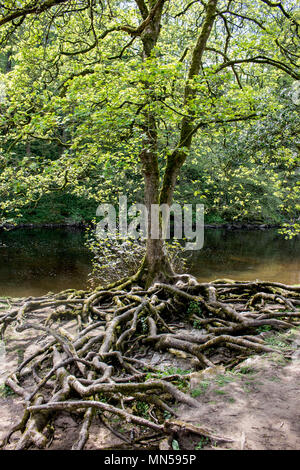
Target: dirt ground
256, 404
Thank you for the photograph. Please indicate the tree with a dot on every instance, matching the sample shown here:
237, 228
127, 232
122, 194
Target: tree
116, 82
214, 48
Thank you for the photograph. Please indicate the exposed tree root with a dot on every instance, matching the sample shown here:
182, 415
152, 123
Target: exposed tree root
95, 360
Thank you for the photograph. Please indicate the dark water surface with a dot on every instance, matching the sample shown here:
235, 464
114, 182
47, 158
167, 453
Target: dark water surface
36, 261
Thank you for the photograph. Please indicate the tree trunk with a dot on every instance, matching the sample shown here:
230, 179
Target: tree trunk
177, 158
156, 264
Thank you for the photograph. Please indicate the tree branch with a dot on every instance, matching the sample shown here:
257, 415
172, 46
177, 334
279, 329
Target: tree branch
37, 7
143, 8
281, 7
176, 159
261, 60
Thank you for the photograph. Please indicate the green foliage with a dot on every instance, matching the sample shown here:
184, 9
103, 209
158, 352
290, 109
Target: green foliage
72, 124
222, 380
176, 370
276, 341
203, 441
144, 324
175, 445
142, 408
231, 400
167, 372
220, 392
59, 208
200, 389
101, 397
118, 256
197, 324
264, 328
6, 391
246, 370
194, 308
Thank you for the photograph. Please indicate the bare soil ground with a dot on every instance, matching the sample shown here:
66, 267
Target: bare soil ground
256, 404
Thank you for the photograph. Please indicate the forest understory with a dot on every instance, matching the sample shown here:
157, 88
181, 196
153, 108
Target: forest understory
91, 355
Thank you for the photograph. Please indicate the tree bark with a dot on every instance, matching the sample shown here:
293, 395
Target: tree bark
177, 158
156, 264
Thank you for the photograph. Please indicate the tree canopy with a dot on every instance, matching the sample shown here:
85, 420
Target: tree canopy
84, 83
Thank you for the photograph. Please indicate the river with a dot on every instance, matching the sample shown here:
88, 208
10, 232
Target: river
36, 261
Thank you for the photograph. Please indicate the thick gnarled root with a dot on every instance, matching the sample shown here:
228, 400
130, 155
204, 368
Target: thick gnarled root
94, 362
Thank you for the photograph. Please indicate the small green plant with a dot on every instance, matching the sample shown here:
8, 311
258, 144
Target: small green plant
220, 392
20, 353
176, 370
201, 443
202, 387
101, 397
276, 341
247, 370
263, 328
223, 380
197, 324
167, 372
194, 308
142, 408
175, 445
181, 384
144, 325
6, 391
274, 378
281, 360
196, 392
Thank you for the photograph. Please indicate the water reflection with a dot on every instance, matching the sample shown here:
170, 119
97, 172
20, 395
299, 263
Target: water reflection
33, 262
251, 255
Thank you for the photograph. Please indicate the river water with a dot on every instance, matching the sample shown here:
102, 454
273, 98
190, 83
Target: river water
36, 261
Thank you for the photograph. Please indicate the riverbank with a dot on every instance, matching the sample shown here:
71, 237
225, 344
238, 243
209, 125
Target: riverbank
84, 225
